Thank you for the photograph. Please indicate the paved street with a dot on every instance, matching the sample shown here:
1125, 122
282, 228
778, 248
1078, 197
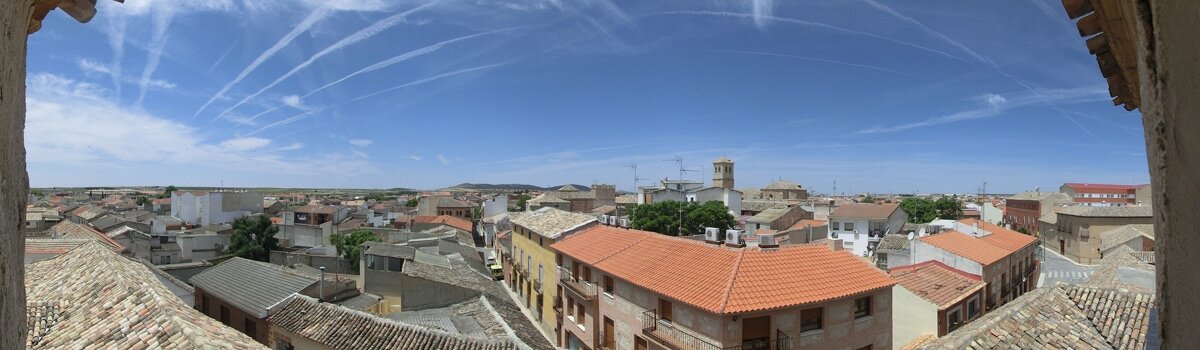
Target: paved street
1057, 268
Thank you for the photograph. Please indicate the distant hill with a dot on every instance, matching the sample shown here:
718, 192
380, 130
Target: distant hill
491, 187
506, 187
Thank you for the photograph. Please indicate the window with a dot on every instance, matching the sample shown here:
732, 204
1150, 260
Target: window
836, 225
395, 264
665, 311
608, 285
811, 319
558, 259
953, 320
541, 274
587, 274
224, 315
579, 314
203, 303
250, 329
371, 262
165, 259
973, 307
570, 308
540, 242
283, 345
849, 226
862, 307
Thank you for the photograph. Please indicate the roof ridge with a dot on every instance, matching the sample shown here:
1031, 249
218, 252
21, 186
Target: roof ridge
737, 264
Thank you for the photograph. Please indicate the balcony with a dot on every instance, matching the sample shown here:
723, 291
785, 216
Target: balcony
585, 289
537, 286
666, 333
558, 308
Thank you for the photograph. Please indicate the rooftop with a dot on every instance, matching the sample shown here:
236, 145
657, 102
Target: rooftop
783, 185
865, 211
70, 229
803, 224
1109, 212
893, 243
1037, 196
448, 220
1083, 186
769, 215
1059, 317
1118, 236
721, 280
342, 328
941, 285
91, 297
984, 250
252, 286
552, 223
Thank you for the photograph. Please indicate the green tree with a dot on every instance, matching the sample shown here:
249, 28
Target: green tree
919, 210
948, 208
38, 193
349, 244
521, 202
867, 199
379, 197
664, 217
253, 238
143, 201
169, 189
412, 202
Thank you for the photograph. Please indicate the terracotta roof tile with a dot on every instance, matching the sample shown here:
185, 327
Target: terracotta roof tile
342, 328
865, 211
448, 220
1001, 237
1083, 186
934, 281
70, 229
808, 222
966, 246
723, 280
93, 298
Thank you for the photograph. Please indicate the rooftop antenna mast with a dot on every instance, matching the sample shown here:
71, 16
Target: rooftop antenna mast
679, 161
636, 180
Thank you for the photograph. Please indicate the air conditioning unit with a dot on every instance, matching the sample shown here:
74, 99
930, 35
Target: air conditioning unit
624, 223
604, 219
612, 220
734, 238
711, 234
767, 242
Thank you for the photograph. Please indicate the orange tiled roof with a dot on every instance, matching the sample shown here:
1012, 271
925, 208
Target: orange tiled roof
934, 281
71, 230
1001, 237
721, 280
807, 222
448, 220
966, 246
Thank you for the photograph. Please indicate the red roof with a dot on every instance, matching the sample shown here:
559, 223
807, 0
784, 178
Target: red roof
806, 223
985, 250
723, 280
1083, 186
448, 220
934, 281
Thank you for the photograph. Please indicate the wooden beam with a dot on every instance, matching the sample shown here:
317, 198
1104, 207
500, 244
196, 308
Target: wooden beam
1089, 25
1098, 44
1108, 64
1077, 8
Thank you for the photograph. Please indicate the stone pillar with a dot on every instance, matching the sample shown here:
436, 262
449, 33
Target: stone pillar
1169, 71
14, 182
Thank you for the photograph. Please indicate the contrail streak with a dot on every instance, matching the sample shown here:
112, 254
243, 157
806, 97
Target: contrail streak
404, 57
809, 23
316, 16
431, 79
162, 21
815, 59
362, 34
930, 31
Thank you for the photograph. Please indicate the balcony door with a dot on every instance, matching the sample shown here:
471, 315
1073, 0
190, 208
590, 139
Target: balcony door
756, 332
610, 340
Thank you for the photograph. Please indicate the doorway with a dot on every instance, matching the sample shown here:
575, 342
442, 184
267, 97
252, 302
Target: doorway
610, 337
1062, 247
756, 332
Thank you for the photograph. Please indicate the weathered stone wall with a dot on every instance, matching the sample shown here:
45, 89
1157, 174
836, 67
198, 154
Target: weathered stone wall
14, 182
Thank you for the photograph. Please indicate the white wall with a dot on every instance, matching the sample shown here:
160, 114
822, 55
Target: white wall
923, 252
858, 244
495, 206
912, 317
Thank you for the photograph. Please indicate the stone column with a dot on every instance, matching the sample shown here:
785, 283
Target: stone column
14, 182
1169, 71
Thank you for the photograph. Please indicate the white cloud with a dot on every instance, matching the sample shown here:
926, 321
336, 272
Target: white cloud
443, 159
89, 66
762, 8
245, 143
361, 142
293, 146
415, 157
294, 102
74, 124
995, 100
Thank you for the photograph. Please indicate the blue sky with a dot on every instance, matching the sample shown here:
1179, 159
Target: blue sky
880, 96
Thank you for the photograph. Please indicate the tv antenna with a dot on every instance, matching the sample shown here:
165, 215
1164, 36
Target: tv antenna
636, 180
679, 161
